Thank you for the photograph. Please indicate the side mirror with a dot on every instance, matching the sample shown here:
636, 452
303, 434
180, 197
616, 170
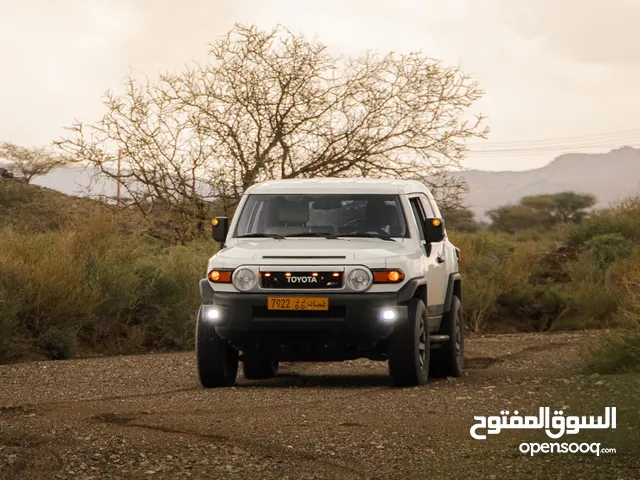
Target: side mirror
434, 230
220, 228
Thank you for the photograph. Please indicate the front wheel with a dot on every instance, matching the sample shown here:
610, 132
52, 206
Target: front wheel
217, 360
408, 348
448, 360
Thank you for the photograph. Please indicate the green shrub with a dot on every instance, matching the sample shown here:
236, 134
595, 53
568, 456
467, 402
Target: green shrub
55, 344
609, 248
492, 266
595, 278
538, 306
533, 282
93, 289
623, 220
618, 351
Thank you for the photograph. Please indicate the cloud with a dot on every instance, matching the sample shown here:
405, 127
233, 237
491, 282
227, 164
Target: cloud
589, 31
60, 57
550, 68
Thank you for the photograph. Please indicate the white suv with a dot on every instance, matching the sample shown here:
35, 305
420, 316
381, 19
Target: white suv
331, 270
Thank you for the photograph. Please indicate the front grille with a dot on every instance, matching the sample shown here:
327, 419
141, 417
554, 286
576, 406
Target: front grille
301, 280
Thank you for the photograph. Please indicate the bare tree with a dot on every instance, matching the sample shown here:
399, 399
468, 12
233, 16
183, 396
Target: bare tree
29, 163
272, 104
161, 153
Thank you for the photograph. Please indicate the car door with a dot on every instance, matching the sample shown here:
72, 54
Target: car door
436, 267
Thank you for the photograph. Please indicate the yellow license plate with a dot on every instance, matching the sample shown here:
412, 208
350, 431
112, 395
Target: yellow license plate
297, 303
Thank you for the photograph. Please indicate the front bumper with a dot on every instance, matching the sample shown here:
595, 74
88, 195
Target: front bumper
353, 321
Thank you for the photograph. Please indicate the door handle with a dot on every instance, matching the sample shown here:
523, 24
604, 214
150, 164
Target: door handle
440, 258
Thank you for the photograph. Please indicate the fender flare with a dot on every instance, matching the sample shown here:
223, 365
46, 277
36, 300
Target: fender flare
206, 292
409, 289
453, 278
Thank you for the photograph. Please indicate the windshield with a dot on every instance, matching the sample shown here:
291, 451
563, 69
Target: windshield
322, 215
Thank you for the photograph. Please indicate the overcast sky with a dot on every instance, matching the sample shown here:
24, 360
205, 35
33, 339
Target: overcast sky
553, 70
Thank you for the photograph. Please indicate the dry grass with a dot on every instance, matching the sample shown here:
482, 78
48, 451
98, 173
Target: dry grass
89, 288
619, 349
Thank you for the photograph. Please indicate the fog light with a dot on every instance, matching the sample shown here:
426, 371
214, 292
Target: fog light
388, 315
211, 313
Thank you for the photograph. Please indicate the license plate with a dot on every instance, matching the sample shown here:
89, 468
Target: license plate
297, 303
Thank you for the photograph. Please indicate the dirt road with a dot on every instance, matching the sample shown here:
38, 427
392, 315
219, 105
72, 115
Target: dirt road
147, 417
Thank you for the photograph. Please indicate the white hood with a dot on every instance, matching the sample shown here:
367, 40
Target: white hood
309, 251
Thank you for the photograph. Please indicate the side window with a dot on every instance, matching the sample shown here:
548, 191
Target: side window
426, 204
418, 214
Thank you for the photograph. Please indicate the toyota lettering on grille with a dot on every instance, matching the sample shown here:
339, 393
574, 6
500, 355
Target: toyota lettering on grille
306, 279
301, 280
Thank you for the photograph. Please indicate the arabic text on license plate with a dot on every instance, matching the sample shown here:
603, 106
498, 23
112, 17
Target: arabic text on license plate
297, 303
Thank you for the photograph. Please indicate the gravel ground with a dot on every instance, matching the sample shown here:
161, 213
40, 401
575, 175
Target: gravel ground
147, 417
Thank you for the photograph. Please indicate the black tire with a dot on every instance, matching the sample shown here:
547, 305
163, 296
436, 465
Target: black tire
408, 348
448, 360
259, 368
217, 360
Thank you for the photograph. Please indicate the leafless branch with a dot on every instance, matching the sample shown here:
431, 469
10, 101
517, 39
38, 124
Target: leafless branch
29, 163
272, 104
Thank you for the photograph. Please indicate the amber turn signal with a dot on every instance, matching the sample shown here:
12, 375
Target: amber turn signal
394, 276
220, 276
387, 276
215, 222
436, 222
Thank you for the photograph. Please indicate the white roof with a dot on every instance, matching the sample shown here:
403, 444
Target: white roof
338, 185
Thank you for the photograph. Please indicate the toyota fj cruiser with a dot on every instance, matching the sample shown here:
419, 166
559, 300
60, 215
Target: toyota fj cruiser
331, 270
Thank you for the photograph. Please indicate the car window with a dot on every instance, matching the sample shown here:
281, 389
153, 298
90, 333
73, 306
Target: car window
418, 215
342, 214
426, 205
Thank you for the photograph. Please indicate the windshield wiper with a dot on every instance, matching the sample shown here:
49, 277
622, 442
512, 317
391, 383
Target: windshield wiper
314, 234
370, 235
262, 235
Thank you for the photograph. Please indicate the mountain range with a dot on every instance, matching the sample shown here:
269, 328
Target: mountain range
610, 177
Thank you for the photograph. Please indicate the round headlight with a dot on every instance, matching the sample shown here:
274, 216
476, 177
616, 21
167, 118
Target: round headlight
359, 279
244, 279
